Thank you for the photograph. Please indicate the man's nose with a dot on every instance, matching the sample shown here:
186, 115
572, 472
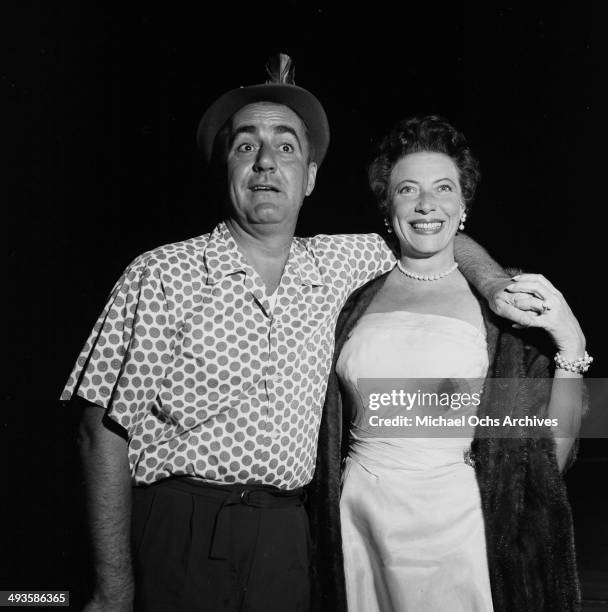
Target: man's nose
264, 160
425, 203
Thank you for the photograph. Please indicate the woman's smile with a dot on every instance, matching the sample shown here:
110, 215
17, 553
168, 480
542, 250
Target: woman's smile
427, 226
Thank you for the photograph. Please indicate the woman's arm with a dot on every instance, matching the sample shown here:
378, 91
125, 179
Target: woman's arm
566, 405
555, 316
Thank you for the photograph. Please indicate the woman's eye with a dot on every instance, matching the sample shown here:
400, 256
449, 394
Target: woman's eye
407, 189
286, 148
445, 187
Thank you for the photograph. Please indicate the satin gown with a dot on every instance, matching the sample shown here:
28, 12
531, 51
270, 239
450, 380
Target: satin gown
412, 527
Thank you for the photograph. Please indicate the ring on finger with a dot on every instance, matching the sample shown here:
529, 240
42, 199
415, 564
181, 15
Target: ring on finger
545, 307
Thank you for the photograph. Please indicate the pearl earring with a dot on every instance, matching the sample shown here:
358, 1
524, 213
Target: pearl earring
389, 229
463, 218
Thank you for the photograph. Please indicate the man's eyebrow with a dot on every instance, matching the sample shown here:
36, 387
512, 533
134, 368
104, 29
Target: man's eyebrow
287, 129
242, 129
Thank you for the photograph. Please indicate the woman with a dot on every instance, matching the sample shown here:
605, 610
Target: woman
441, 523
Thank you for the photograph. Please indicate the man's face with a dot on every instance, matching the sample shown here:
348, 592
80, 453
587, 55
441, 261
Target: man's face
269, 174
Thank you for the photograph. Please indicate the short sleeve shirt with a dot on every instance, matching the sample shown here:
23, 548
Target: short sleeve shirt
206, 378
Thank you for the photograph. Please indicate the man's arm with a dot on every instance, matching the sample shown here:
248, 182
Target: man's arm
489, 279
103, 451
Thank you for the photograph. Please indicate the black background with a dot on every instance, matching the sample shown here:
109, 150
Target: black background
102, 107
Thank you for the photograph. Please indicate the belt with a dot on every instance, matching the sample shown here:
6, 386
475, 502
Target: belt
255, 496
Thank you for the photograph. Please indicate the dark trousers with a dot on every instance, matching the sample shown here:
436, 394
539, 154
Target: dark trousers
214, 548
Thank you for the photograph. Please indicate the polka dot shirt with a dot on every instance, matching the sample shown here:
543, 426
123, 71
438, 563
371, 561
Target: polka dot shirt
207, 379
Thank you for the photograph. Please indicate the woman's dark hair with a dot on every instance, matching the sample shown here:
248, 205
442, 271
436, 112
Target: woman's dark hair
432, 134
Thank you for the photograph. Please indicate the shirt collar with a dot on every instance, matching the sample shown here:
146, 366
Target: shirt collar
223, 257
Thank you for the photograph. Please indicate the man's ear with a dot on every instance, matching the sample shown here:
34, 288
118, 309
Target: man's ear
312, 177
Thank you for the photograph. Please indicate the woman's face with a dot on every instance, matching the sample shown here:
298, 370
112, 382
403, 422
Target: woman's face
425, 203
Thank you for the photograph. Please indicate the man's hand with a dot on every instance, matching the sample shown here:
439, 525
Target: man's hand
506, 301
531, 300
548, 309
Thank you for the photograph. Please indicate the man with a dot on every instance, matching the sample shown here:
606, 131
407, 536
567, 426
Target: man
205, 375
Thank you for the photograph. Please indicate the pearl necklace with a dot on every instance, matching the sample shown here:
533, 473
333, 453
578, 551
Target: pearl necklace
423, 277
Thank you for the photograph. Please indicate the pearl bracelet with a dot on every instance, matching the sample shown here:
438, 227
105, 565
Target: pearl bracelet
578, 366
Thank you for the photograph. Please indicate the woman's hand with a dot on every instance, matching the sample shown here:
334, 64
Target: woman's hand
548, 309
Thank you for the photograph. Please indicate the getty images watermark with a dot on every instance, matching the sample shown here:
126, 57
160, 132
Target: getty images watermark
492, 407
453, 401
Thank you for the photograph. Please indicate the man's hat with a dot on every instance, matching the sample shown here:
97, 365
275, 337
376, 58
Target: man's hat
279, 88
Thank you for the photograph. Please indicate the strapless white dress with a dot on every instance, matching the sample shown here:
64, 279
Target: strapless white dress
412, 527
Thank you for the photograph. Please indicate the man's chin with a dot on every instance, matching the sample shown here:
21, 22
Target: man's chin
268, 212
